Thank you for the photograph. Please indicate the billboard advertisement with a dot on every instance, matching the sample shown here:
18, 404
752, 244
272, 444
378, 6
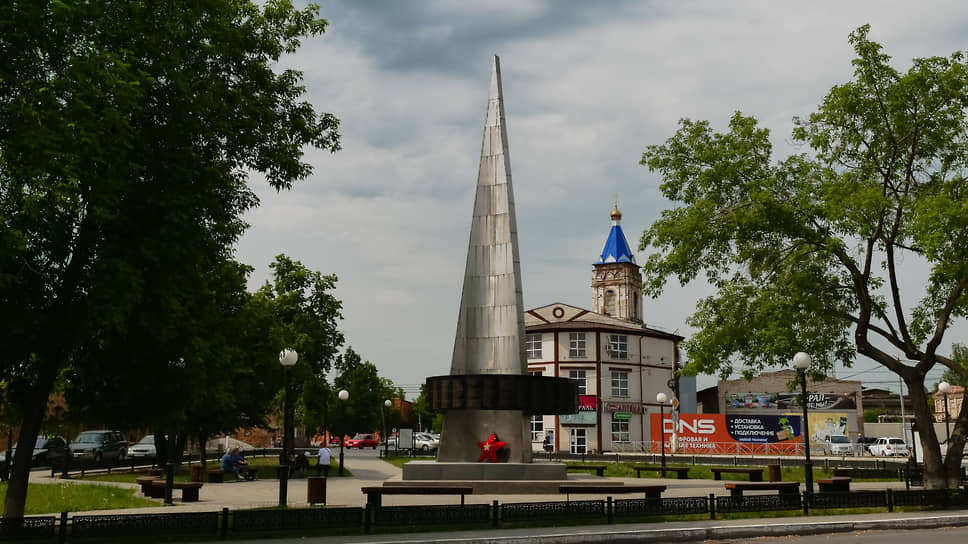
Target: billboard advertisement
723, 433
786, 401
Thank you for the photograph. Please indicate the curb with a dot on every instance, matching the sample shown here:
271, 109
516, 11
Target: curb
721, 532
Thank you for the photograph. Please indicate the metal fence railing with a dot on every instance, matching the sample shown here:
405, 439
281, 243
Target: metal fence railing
355, 520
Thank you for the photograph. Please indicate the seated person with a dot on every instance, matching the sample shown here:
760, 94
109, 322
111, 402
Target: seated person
300, 463
234, 462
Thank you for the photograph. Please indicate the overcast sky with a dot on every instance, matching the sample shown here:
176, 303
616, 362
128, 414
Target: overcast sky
587, 85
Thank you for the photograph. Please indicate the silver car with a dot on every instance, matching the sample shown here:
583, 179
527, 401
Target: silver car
144, 448
425, 442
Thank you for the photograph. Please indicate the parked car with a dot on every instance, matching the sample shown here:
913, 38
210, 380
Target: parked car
425, 442
99, 445
838, 444
47, 450
144, 448
362, 441
888, 446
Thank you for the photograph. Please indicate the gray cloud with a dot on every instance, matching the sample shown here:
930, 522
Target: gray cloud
587, 86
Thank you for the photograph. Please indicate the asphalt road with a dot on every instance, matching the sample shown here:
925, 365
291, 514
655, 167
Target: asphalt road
934, 536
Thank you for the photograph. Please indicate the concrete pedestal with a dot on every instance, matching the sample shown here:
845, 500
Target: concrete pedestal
436, 470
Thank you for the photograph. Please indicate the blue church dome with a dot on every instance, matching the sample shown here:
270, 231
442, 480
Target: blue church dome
616, 248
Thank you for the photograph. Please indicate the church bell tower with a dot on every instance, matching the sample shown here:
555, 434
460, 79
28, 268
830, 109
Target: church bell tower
616, 280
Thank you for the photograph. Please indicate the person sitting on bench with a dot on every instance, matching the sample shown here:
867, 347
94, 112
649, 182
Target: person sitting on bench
234, 462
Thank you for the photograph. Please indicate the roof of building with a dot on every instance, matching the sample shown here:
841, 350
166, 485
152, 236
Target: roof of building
616, 248
558, 316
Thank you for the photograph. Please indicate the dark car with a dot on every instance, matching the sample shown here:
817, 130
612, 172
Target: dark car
99, 445
47, 450
362, 441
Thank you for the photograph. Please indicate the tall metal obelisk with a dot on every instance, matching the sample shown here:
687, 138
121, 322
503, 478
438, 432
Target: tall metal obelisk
490, 326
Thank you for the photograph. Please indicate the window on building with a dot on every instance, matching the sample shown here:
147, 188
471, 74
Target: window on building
578, 443
620, 432
537, 428
580, 379
533, 346
620, 384
618, 346
576, 342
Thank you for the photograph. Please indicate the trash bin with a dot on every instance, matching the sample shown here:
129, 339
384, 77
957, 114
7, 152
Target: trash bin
775, 474
316, 490
197, 473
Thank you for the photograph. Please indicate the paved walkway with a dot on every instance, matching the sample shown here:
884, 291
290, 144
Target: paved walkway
373, 471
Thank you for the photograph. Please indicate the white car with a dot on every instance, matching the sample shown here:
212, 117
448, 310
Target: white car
838, 444
888, 446
144, 448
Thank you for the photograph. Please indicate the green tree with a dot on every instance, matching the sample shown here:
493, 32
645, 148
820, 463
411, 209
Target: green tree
958, 374
305, 318
127, 130
806, 253
362, 412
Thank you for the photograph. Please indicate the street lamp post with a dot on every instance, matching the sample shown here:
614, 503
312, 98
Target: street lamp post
386, 437
287, 358
661, 398
343, 395
945, 388
801, 361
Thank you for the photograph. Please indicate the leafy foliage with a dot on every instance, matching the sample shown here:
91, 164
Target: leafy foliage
127, 130
808, 253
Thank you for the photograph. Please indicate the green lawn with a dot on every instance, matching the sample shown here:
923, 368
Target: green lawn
399, 460
55, 498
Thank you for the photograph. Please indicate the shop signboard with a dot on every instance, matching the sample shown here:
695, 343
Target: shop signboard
735, 434
587, 412
622, 415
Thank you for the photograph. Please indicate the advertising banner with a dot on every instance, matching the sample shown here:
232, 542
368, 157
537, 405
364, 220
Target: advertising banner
587, 405
822, 425
720, 433
786, 401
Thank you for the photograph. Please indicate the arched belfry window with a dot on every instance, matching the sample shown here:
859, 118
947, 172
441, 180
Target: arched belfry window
611, 302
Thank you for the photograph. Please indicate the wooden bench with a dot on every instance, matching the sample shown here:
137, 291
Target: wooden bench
651, 491
844, 471
374, 495
599, 469
837, 484
736, 489
145, 483
189, 489
681, 472
756, 474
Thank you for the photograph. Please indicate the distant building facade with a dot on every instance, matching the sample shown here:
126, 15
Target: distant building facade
618, 362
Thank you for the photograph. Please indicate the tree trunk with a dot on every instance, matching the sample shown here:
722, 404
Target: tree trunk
201, 450
179, 454
161, 448
936, 473
34, 411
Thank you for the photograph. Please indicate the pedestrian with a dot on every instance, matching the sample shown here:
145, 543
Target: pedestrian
322, 460
860, 444
234, 462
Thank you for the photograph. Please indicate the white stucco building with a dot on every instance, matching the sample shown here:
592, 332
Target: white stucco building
620, 364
